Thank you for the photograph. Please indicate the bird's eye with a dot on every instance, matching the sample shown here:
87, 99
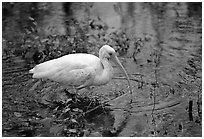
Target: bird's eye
111, 54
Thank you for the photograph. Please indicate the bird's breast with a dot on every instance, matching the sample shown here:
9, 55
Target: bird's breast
104, 75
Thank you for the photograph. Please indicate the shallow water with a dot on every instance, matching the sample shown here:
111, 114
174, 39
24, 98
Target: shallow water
165, 75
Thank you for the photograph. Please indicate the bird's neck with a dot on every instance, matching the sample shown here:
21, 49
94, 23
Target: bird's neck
107, 72
107, 67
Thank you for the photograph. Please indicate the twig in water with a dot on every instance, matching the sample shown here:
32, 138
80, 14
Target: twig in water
190, 110
153, 109
198, 102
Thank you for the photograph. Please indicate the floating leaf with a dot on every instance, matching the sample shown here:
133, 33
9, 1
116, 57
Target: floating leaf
35, 23
44, 40
72, 130
37, 37
17, 114
66, 110
73, 120
77, 110
31, 18
56, 109
68, 100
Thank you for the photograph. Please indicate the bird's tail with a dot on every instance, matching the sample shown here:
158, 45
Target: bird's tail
37, 73
31, 71
42, 70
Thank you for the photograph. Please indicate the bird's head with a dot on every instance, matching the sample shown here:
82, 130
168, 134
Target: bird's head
107, 52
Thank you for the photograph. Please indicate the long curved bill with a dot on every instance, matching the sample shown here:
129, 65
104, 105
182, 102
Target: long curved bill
116, 60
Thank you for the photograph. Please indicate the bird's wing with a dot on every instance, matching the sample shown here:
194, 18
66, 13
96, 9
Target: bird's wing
77, 70
79, 78
68, 62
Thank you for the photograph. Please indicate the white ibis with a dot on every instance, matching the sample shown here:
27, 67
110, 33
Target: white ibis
80, 70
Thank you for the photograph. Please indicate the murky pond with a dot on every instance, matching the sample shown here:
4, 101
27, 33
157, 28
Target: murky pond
159, 44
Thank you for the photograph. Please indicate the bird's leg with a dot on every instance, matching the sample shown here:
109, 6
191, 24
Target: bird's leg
75, 90
68, 94
75, 93
90, 89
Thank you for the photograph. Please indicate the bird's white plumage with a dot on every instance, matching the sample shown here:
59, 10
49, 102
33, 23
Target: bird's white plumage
80, 70
73, 69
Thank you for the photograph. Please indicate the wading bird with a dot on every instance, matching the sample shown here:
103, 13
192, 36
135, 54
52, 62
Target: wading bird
80, 70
